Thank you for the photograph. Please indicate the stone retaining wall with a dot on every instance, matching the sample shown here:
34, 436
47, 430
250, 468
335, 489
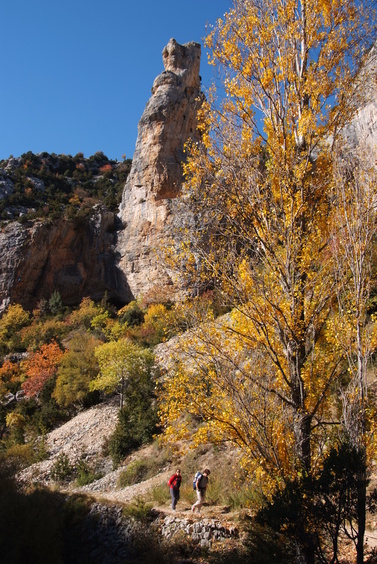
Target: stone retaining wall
203, 532
114, 538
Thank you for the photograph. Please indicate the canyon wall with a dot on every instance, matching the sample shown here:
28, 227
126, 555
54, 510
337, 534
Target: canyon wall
106, 253
361, 133
75, 259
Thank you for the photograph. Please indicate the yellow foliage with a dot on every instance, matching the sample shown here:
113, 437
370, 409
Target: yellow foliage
15, 420
84, 315
261, 225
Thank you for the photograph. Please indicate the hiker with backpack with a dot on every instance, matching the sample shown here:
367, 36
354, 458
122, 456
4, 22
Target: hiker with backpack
174, 484
200, 486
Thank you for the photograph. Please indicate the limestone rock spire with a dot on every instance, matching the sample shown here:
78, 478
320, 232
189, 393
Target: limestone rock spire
168, 121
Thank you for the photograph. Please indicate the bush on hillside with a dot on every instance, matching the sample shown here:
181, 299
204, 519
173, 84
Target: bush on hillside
136, 426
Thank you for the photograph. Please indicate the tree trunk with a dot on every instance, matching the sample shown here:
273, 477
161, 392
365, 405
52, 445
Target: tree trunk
360, 442
361, 511
301, 420
302, 431
121, 392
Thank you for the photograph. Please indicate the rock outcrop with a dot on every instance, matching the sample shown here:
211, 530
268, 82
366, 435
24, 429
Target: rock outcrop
106, 253
168, 121
362, 131
76, 259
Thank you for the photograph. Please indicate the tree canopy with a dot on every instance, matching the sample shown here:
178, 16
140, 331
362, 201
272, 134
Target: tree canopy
40, 367
260, 209
77, 369
119, 363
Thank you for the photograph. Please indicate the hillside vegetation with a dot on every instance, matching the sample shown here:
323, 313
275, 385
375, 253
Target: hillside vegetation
57, 361
53, 186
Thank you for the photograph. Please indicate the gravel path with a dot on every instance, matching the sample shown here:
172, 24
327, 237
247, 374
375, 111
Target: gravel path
106, 488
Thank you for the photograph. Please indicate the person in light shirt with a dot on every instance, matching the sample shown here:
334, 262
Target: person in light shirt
201, 488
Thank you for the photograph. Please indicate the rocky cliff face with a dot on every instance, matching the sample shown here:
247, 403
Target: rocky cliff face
74, 258
147, 210
56, 234
361, 133
88, 257
168, 121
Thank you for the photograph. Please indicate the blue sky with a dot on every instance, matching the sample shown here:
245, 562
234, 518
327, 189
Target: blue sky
76, 75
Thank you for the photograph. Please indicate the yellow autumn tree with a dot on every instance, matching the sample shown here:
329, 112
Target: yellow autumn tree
119, 363
355, 197
11, 323
259, 209
355, 202
77, 368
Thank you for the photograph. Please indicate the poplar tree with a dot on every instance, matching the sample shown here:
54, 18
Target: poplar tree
258, 195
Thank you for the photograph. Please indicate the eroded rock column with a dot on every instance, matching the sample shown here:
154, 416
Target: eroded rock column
168, 121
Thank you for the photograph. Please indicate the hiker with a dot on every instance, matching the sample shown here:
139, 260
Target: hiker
201, 487
175, 483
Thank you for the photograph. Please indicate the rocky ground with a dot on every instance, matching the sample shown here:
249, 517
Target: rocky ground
84, 436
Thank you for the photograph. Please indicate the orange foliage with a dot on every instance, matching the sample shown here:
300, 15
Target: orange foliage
106, 168
8, 370
40, 367
9, 376
75, 200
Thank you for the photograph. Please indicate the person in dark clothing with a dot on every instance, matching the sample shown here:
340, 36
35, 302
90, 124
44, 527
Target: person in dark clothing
174, 484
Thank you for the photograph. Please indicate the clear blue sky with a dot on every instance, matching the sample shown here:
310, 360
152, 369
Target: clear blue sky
76, 75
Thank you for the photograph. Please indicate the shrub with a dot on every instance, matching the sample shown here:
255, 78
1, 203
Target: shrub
266, 546
314, 512
20, 454
42, 526
47, 417
11, 323
143, 469
55, 303
62, 470
138, 419
42, 331
139, 510
16, 424
82, 317
40, 449
62, 177
85, 474
136, 426
132, 314
160, 494
134, 473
